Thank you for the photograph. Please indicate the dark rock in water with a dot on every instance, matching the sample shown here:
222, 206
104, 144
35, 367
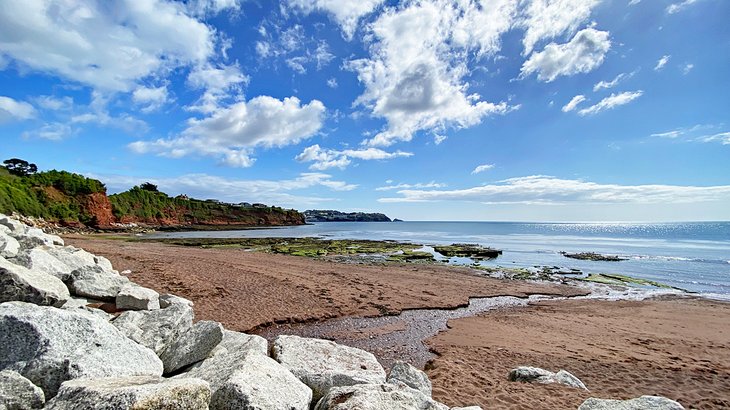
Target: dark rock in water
592, 256
397, 220
467, 251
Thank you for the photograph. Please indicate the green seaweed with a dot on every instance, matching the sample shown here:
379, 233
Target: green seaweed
624, 280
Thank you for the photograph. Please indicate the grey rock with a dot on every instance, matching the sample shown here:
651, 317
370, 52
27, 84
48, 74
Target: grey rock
79, 305
20, 284
640, 403
49, 346
155, 329
322, 364
467, 408
97, 283
134, 297
168, 299
410, 376
261, 383
15, 227
77, 258
19, 393
33, 237
537, 375
9, 246
377, 397
139, 392
40, 259
239, 342
192, 346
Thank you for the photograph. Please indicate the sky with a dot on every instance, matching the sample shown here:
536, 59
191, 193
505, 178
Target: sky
511, 110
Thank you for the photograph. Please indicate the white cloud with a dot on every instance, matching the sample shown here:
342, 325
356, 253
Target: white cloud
669, 134
694, 132
328, 158
687, 68
276, 192
420, 185
546, 19
54, 132
539, 189
231, 133
612, 101
332, 83
108, 48
723, 138
212, 7
438, 139
573, 103
150, 98
634, 2
13, 110
610, 84
482, 168
583, 53
52, 103
677, 7
218, 82
662, 62
418, 59
347, 13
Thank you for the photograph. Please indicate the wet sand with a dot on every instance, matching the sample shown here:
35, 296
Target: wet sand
679, 348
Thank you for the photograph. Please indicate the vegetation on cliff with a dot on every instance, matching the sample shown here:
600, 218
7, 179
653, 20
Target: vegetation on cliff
314, 215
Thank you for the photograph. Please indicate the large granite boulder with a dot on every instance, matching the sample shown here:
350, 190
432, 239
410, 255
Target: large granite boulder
133, 393
377, 397
192, 346
17, 392
168, 299
15, 227
77, 258
260, 382
9, 246
134, 297
322, 364
96, 282
155, 329
49, 346
640, 403
20, 284
33, 237
528, 374
410, 376
40, 259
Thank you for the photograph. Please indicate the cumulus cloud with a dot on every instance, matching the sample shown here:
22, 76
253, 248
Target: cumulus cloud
218, 82
232, 132
540, 189
420, 185
418, 59
482, 168
662, 62
323, 159
677, 7
283, 192
150, 98
610, 84
547, 19
13, 110
612, 101
212, 7
573, 103
56, 131
107, 47
347, 13
583, 53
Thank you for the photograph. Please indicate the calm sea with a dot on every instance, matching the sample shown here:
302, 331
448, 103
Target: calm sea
693, 256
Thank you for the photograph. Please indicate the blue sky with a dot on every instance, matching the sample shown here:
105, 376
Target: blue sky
569, 110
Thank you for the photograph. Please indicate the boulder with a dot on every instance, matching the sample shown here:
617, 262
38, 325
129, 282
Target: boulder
240, 342
138, 392
49, 346
377, 397
537, 375
97, 283
467, 408
17, 392
9, 246
640, 403
261, 383
77, 258
40, 259
15, 227
20, 284
323, 364
192, 346
411, 377
155, 329
168, 299
33, 237
134, 297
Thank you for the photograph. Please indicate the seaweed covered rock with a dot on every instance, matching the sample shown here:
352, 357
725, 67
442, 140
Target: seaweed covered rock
49, 346
139, 392
25, 285
322, 364
17, 392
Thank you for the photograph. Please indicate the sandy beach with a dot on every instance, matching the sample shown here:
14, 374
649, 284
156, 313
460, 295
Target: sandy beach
678, 347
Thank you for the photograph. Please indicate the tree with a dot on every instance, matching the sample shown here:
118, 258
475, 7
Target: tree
19, 167
149, 187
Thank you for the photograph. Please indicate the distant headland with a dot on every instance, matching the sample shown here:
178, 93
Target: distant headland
314, 215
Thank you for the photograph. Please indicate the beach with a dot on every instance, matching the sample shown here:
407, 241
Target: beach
677, 347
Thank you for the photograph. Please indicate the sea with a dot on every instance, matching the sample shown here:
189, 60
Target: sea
694, 256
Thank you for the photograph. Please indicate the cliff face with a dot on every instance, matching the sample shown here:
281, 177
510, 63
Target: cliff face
97, 206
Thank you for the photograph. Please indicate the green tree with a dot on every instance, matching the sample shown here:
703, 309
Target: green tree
147, 186
19, 167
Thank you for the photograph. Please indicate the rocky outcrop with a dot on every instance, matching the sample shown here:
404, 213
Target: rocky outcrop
322, 364
20, 284
134, 297
410, 376
49, 346
192, 346
17, 392
132, 393
528, 374
640, 403
592, 256
377, 397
